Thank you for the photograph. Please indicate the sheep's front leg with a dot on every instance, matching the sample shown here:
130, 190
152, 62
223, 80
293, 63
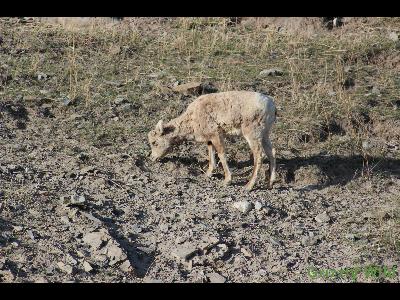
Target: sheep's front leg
219, 146
211, 159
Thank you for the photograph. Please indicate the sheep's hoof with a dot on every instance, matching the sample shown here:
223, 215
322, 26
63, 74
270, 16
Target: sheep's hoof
249, 186
209, 173
227, 182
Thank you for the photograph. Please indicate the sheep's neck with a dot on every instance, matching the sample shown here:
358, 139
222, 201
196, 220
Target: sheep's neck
182, 129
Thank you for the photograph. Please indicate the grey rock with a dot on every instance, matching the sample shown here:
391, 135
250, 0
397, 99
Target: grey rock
246, 252
271, 72
152, 280
350, 236
309, 240
322, 218
126, 267
275, 241
164, 228
185, 251
101, 260
258, 205
42, 76
127, 107
65, 268
216, 278
74, 200
96, 239
348, 69
207, 242
120, 100
393, 36
18, 228
87, 267
375, 90
31, 235
188, 88
115, 253
65, 220
71, 260
242, 206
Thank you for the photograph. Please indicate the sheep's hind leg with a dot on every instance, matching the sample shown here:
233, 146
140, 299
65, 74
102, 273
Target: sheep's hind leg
219, 146
270, 152
211, 159
257, 157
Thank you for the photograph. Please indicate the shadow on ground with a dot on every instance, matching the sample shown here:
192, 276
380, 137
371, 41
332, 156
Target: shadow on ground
339, 170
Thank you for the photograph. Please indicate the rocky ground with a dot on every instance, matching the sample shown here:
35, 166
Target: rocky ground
79, 207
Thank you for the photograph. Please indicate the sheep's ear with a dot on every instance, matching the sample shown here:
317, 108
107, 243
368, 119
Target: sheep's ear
160, 127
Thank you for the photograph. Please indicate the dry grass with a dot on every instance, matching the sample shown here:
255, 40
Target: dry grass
83, 54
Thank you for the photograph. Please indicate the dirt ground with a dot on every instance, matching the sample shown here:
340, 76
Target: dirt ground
74, 209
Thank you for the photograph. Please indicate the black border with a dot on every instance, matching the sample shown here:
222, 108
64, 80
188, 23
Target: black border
181, 8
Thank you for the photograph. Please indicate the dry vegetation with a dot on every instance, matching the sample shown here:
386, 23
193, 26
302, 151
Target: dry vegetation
338, 95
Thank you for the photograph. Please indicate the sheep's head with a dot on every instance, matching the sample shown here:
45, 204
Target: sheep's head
161, 140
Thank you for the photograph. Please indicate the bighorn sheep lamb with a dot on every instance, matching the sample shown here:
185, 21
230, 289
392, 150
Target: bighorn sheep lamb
210, 117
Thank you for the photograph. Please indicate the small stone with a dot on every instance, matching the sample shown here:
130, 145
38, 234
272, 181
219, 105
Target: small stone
271, 72
29, 98
375, 90
66, 101
322, 218
347, 69
65, 220
126, 267
71, 260
95, 239
101, 260
152, 280
114, 83
115, 253
31, 235
185, 251
42, 76
242, 206
74, 200
120, 100
18, 228
6, 276
164, 228
393, 36
208, 242
188, 88
350, 236
87, 267
180, 239
115, 49
34, 212
65, 268
246, 252
216, 278
275, 241
258, 205
309, 240
91, 217
41, 280
127, 107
